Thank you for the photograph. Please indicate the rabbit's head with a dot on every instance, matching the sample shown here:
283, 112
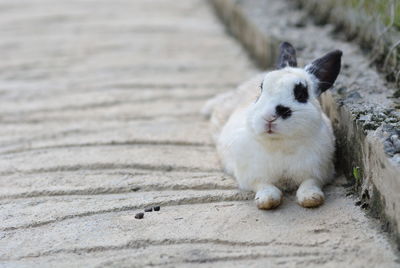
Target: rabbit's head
288, 105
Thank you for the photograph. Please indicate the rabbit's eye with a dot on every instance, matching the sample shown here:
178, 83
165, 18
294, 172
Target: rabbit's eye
300, 93
261, 85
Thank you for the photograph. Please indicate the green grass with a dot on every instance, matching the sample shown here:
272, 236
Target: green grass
357, 174
382, 9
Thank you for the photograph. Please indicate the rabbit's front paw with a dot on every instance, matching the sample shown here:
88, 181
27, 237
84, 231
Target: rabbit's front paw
268, 197
310, 196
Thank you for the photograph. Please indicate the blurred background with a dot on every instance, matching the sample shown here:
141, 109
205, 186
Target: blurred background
374, 24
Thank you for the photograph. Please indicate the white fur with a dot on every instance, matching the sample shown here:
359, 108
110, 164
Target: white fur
300, 149
268, 197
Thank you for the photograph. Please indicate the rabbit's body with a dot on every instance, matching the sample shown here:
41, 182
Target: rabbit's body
279, 138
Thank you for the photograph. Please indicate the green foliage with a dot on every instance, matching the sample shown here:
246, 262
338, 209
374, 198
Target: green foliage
357, 174
383, 9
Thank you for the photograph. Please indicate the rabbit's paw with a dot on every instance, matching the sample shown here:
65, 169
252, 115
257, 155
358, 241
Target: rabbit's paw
268, 197
310, 196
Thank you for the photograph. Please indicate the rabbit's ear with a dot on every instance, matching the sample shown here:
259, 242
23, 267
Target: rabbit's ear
326, 69
287, 56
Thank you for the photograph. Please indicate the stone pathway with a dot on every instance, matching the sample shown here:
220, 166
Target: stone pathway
99, 119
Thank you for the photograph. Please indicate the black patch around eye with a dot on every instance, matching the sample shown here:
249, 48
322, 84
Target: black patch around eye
300, 93
283, 111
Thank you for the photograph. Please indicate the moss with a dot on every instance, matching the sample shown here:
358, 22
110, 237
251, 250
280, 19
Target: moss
357, 175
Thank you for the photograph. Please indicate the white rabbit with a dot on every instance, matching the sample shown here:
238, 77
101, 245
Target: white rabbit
277, 137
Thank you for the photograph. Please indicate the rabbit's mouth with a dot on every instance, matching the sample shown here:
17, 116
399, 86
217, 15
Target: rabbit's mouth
271, 127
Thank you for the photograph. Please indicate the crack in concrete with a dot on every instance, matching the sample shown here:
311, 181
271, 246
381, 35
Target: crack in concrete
165, 168
135, 244
117, 190
19, 121
87, 106
144, 243
111, 143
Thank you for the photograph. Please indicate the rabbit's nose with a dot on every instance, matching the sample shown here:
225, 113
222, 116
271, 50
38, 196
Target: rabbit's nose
283, 111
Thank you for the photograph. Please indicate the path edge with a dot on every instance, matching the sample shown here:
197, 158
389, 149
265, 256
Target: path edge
371, 174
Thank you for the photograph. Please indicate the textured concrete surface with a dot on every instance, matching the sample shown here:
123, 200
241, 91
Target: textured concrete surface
99, 119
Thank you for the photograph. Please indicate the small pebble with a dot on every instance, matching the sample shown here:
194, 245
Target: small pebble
157, 208
150, 209
139, 215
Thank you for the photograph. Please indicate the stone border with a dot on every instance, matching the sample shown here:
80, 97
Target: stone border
367, 133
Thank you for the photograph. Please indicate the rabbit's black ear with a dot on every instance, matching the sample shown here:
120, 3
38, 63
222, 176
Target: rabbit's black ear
326, 69
287, 56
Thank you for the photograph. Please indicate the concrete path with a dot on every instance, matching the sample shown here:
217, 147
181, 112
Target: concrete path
99, 119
